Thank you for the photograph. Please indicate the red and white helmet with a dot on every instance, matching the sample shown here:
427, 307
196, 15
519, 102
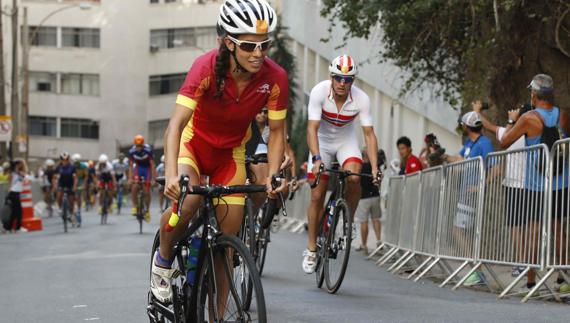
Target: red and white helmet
247, 17
343, 65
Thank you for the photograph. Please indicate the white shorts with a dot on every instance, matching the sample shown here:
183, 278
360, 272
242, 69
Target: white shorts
343, 150
368, 208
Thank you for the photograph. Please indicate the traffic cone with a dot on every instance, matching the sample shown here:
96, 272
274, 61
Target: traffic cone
29, 222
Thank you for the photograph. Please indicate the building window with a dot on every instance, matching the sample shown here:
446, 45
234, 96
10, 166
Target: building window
79, 128
183, 37
80, 84
153, 1
42, 126
156, 130
43, 82
80, 37
45, 36
165, 84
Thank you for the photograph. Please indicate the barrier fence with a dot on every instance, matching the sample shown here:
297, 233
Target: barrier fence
511, 209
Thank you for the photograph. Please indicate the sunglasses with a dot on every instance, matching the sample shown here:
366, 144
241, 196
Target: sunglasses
345, 79
251, 46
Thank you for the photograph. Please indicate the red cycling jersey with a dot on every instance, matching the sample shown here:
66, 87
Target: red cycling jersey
225, 123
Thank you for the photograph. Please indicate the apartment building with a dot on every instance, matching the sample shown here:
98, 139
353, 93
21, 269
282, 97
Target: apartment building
102, 71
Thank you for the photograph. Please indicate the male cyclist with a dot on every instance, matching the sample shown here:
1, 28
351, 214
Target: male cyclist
65, 179
82, 173
121, 166
47, 180
222, 93
105, 179
141, 168
333, 106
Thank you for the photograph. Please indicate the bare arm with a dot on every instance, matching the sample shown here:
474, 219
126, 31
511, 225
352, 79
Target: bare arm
276, 148
312, 139
513, 133
372, 147
178, 121
488, 124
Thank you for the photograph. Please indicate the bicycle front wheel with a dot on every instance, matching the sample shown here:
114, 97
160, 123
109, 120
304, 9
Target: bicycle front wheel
227, 269
338, 242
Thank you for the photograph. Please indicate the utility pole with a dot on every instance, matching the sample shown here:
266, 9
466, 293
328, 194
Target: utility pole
14, 96
3, 150
26, 87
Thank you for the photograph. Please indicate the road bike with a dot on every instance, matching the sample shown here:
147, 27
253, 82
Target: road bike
334, 235
65, 208
140, 206
221, 258
106, 203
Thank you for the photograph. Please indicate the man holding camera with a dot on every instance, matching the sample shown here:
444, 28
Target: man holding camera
545, 124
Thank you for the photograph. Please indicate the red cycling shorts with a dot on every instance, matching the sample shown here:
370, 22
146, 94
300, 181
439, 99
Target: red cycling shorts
223, 166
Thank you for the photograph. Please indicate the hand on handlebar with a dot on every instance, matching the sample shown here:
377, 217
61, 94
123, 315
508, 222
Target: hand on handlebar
172, 187
377, 179
294, 184
275, 185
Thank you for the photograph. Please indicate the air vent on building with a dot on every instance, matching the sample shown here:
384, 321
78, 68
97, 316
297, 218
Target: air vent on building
154, 48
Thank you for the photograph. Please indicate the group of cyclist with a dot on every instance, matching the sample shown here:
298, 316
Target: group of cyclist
224, 91
83, 180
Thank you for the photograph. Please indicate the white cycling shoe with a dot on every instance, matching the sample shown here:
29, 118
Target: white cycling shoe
309, 261
160, 283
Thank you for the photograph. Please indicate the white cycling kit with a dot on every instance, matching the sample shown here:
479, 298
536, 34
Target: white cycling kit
337, 132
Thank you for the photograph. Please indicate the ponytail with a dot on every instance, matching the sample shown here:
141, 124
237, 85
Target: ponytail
221, 68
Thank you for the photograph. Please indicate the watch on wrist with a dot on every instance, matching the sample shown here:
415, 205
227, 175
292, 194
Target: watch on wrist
316, 157
511, 122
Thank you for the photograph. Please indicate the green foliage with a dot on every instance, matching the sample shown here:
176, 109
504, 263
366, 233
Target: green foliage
299, 138
281, 55
469, 47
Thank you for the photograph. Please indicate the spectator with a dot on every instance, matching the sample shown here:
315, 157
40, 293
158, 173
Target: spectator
517, 217
369, 205
432, 154
16, 179
545, 124
476, 145
409, 163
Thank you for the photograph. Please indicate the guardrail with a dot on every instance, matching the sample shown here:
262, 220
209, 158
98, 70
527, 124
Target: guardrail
510, 210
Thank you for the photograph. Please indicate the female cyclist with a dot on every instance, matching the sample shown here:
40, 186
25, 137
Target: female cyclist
223, 91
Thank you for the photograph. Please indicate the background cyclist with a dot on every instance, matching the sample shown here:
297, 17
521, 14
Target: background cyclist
141, 167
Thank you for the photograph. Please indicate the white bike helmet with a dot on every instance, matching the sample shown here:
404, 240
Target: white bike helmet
247, 17
103, 158
64, 155
75, 158
162, 159
343, 65
50, 163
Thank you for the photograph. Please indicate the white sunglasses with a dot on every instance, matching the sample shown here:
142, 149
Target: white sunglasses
250, 46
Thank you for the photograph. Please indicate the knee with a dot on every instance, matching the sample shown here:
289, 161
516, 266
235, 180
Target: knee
353, 180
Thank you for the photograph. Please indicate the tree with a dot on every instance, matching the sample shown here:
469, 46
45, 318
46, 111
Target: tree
473, 49
281, 55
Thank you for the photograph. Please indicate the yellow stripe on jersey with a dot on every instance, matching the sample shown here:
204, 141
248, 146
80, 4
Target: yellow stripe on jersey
277, 115
186, 102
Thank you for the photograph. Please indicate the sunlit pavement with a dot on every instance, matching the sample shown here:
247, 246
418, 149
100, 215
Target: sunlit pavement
100, 273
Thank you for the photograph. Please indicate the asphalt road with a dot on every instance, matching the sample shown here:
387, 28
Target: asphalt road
100, 273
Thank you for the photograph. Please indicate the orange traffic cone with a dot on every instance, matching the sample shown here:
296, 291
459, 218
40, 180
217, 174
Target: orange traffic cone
29, 222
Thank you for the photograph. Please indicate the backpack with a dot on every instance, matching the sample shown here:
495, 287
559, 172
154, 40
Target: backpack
550, 135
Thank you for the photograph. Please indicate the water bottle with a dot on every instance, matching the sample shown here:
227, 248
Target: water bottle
192, 260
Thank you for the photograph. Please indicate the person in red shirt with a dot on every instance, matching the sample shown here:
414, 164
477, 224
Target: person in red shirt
223, 91
409, 163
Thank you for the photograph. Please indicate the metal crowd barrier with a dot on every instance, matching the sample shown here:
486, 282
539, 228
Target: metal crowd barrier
513, 209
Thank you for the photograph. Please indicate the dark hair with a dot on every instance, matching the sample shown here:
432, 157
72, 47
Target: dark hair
404, 141
545, 96
221, 68
475, 129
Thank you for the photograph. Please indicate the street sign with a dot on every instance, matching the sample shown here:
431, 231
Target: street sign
5, 128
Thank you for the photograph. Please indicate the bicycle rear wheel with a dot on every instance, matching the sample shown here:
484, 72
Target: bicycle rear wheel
262, 244
338, 251
234, 267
